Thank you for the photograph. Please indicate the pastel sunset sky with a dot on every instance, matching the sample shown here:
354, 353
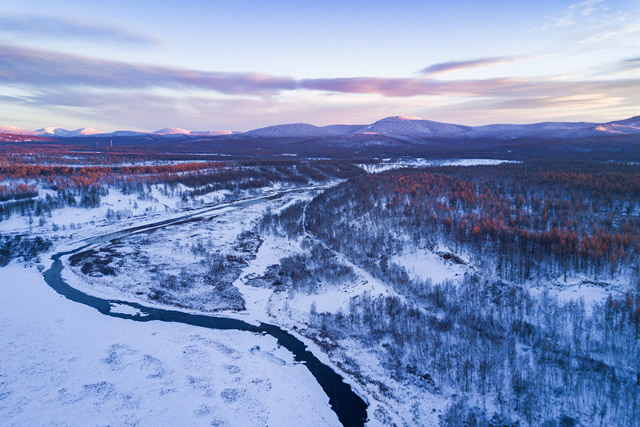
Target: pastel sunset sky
199, 65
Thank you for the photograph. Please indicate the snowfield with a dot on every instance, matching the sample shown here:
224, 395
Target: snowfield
389, 164
428, 265
66, 364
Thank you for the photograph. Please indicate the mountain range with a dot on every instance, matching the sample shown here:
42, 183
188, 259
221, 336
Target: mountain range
400, 127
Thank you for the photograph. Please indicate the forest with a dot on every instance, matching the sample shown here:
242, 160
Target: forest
530, 220
536, 359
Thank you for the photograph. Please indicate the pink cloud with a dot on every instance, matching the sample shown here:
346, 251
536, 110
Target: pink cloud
447, 67
33, 67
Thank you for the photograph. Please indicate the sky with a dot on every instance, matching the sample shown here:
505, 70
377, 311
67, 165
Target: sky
240, 65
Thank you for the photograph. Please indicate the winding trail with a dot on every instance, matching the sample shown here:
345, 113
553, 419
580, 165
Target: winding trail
350, 408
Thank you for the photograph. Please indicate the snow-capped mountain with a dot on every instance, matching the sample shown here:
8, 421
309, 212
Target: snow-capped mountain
15, 130
411, 126
55, 131
179, 131
122, 133
291, 130
211, 132
172, 131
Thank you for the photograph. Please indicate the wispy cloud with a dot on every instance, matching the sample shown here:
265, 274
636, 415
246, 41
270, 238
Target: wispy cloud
594, 24
102, 90
497, 87
622, 32
42, 70
13, 99
452, 66
65, 28
625, 67
574, 14
38, 68
631, 63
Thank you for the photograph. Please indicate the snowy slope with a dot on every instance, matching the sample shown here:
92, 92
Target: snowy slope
15, 130
211, 132
411, 126
627, 127
291, 130
343, 129
172, 131
123, 133
55, 131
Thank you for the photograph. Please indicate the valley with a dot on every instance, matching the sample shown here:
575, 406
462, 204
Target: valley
387, 271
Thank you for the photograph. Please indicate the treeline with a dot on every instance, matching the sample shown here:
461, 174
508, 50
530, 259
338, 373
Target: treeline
17, 191
68, 176
21, 247
530, 221
84, 186
84, 197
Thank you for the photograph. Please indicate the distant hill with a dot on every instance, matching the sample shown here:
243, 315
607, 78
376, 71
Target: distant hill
388, 130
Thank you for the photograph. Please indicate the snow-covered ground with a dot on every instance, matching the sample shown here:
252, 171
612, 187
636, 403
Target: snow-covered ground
429, 265
66, 364
127, 205
81, 365
580, 287
142, 262
390, 164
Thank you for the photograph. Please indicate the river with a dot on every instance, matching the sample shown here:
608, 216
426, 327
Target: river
350, 408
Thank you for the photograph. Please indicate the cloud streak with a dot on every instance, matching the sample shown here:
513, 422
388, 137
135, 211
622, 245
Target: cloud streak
497, 87
37, 68
72, 81
452, 66
64, 28
574, 14
630, 63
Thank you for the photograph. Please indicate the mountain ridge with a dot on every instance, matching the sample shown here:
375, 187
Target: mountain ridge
400, 126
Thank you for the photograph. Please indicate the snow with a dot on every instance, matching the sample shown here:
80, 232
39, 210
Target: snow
63, 363
410, 126
578, 287
129, 206
15, 130
291, 130
172, 131
590, 294
407, 126
475, 162
615, 128
211, 132
425, 264
270, 252
55, 131
179, 131
125, 309
390, 164
400, 402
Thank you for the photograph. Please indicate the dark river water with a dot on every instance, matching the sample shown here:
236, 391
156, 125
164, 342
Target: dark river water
350, 408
